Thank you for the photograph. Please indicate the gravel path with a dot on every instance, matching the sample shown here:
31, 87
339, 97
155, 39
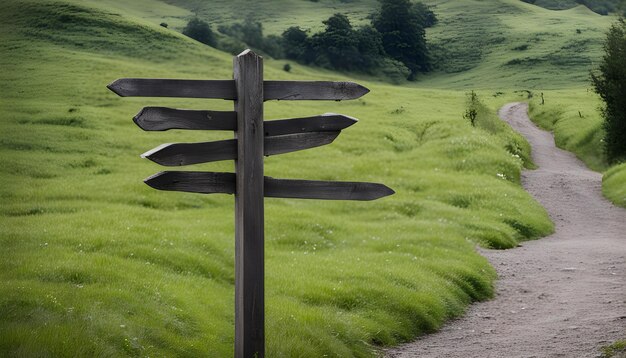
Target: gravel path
561, 296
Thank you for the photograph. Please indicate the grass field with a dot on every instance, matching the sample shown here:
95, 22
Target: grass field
93, 262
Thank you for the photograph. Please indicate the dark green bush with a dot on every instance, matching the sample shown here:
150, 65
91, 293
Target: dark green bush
200, 31
609, 81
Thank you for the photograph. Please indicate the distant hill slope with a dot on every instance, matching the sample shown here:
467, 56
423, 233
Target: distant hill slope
602, 7
497, 44
93, 263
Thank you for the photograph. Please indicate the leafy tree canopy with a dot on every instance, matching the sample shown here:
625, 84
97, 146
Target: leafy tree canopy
610, 83
200, 31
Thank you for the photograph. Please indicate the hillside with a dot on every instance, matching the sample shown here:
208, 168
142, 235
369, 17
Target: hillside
494, 45
93, 262
602, 7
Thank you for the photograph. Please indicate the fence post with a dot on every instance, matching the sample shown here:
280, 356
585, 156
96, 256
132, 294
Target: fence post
249, 211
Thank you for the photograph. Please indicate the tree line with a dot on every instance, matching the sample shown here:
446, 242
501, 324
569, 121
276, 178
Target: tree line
392, 45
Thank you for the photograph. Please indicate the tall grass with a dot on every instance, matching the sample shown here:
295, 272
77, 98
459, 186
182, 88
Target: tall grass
95, 263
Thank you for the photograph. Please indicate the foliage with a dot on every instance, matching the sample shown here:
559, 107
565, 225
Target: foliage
200, 30
401, 25
342, 47
394, 43
610, 83
471, 112
614, 184
339, 47
250, 34
615, 350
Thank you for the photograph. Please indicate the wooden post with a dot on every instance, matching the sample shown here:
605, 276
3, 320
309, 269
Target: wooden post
249, 213
252, 141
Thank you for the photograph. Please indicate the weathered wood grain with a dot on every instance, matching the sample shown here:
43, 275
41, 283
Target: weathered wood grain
163, 118
249, 208
321, 123
193, 182
313, 90
226, 89
176, 154
324, 190
156, 87
210, 183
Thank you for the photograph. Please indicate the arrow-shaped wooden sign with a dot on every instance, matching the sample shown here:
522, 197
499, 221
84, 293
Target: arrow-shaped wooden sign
255, 137
175, 154
163, 118
225, 89
211, 183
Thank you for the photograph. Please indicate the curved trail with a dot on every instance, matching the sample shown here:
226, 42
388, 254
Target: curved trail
561, 296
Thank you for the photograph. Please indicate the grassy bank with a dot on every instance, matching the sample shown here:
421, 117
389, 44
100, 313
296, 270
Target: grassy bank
95, 263
574, 118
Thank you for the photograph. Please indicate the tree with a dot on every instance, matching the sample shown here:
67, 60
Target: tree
200, 31
337, 46
401, 25
609, 82
296, 45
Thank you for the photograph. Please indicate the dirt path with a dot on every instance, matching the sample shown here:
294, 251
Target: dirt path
561, 296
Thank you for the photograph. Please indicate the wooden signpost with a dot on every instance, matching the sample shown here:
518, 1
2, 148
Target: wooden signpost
254, 138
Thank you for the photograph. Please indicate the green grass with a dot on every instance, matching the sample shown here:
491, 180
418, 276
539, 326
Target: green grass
490, 45
614, 184
574, 117
95, 263
615, 350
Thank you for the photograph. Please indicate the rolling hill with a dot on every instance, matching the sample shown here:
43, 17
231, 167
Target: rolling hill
95, 263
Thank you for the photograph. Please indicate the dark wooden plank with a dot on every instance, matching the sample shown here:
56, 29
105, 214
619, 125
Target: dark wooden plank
193, 182
300, 141
176, 154
324, 190
210, 183
163, 118
313, 90
321, 123
249, 208
158, 87
225, 89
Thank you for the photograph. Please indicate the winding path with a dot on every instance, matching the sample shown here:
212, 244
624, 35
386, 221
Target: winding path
561, 296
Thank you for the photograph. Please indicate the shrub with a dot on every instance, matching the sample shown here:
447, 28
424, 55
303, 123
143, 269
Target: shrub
609, 81
472, 108
200, 31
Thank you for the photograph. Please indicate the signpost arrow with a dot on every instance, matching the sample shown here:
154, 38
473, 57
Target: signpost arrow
254, 138
156, 87
211, 183
163, 118
175, 154
321, 123
225, 89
